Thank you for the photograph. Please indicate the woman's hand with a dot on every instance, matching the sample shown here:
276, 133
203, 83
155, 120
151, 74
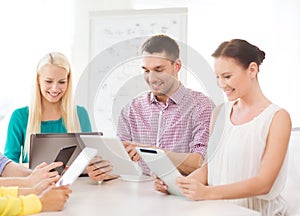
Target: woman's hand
37, 189
160, 186
41, 172
55, 198
192, 188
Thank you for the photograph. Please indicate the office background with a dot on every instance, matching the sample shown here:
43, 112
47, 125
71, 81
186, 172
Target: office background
32, 28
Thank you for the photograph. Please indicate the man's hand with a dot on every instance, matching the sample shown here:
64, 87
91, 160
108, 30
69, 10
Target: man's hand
99, 170
130, 148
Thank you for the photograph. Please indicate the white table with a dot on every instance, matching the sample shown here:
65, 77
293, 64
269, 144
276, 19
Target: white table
119, 197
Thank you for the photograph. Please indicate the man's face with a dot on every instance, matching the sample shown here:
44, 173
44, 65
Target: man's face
161, 74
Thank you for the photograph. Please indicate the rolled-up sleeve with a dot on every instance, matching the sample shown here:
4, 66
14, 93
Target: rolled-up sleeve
201, 120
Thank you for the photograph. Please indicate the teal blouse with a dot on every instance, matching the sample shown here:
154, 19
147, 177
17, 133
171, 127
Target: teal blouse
16, 132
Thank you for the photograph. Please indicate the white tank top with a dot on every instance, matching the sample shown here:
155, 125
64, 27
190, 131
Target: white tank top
238, 156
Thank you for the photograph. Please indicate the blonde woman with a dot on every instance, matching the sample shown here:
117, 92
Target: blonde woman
51, 110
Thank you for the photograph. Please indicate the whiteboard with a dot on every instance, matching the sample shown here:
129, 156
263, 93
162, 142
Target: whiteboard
110, 27
111, 80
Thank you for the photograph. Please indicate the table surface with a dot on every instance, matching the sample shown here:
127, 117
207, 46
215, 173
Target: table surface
121, 197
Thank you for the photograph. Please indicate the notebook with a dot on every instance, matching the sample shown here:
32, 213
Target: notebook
113, 150
45, 147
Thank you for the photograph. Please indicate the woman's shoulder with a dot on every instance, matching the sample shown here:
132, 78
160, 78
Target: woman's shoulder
82, 112
81, 109
84, 119
21, 112
281, 114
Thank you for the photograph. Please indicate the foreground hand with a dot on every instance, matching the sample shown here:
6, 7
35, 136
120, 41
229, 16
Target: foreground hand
42, 171
44, 184
55, 198
192, 188
99, 170
130, 148
160, 186
40, 187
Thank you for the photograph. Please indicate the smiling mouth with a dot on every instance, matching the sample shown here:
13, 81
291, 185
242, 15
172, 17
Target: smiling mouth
228, 92
54, 94
156, 86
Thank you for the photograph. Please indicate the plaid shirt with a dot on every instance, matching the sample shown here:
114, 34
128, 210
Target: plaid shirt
182, 125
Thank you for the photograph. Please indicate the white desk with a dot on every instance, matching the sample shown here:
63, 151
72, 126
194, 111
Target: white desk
119, 197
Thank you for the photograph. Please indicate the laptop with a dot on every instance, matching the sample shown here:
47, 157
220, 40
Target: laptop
44, 147
113, 150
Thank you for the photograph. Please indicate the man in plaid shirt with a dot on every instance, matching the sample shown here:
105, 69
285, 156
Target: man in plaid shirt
170, 117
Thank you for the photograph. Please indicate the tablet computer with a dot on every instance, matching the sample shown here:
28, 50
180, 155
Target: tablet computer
77, 167
64, 156
161, 165
113, 150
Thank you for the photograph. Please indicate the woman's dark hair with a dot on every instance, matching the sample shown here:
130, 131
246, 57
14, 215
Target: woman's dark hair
241, 50
161, 43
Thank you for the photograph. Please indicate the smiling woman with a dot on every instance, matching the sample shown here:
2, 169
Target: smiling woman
53, 84
51, 111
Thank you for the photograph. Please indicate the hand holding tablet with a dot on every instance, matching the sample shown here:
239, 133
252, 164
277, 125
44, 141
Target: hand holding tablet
77, 167
162, 167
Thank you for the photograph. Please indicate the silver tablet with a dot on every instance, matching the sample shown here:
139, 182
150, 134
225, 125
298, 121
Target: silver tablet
162, 167
113, 150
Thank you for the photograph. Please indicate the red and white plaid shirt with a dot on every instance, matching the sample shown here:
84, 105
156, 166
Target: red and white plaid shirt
182, 125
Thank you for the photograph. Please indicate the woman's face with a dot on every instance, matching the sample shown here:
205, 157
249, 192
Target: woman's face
53, 82
232, 78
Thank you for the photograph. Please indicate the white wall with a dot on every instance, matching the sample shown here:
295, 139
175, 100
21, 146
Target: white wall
31, 28
81, 25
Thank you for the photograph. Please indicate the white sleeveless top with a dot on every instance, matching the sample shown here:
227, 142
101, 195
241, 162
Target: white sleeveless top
238, 157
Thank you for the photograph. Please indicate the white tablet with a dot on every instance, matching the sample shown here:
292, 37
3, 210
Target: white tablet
161, 166
77, 167
113, 150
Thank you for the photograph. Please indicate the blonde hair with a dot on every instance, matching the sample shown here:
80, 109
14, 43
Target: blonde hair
67, 107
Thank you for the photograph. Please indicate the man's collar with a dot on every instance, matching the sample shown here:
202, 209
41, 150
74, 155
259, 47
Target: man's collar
177, 97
